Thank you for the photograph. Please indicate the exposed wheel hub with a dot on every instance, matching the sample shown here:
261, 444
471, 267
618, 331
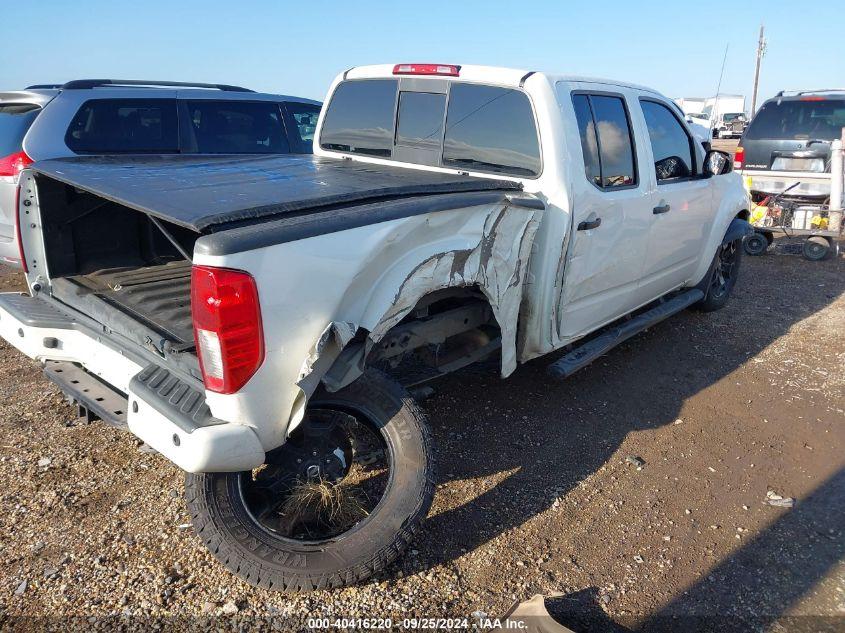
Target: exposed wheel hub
321, 481
322, 452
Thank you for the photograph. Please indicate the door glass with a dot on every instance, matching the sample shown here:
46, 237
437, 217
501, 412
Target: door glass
589, 144
237, 127
670, 143
112, 126
302, 123
616, 149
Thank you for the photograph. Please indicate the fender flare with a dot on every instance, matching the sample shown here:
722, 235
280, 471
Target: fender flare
738, 229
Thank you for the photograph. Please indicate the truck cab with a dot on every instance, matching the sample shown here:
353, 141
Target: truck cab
631, 212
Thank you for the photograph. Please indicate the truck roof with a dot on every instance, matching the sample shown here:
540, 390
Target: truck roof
497, 75
200, 192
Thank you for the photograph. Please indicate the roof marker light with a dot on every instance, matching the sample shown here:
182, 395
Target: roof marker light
446, 70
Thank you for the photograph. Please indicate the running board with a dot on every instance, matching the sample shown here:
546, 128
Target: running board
582, 356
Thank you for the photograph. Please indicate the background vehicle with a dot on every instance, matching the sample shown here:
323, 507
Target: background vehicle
699, 127
93, 116
787, 146
17, 112
257, 320
729, 125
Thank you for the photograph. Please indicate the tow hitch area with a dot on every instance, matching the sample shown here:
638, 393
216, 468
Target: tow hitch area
96, 399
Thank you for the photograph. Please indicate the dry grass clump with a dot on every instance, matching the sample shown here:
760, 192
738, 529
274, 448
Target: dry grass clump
319, 505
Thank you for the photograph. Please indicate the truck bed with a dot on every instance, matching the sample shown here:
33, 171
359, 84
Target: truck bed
158, 296
203, 193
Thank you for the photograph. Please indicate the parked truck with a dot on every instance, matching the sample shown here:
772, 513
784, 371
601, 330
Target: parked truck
258, 320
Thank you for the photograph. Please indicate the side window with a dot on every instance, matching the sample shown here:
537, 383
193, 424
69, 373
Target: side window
124, 126
606, 140
301, 123
420, 121
589, 143
670, 143
490, 129
237, 127
359, 118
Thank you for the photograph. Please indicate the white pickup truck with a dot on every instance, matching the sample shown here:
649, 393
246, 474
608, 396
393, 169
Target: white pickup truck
257, 320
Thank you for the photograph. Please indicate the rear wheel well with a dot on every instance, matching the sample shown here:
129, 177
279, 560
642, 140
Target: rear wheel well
744, 215
446, 330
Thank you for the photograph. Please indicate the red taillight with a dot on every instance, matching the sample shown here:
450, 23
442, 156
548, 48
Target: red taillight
14, 164
17, 213
739, 158
446, 70
811, 99
227, 327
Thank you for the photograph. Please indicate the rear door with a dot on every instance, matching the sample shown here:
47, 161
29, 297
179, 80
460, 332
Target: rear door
611, 212
15, 120
681, 200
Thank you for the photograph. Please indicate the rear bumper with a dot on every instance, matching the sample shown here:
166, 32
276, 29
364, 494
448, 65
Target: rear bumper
167, 411
812, 185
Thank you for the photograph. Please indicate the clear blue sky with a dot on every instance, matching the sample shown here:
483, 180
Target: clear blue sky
298, 47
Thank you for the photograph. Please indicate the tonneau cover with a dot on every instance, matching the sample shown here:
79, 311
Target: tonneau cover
203, 192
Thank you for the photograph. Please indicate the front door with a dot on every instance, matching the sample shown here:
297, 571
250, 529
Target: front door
611, 215
681, 202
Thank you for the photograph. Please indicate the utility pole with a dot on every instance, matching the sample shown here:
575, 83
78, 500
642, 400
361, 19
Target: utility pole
761, 50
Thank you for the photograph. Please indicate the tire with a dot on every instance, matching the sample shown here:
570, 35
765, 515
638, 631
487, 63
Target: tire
719, 282
755, 244
816, 248
223, 521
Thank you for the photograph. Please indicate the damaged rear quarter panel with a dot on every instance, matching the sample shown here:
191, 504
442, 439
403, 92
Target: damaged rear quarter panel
316, 293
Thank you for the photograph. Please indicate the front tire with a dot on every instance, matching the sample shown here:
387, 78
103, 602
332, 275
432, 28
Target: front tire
251, 546
721, 278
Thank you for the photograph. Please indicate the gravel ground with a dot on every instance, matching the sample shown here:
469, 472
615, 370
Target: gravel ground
539, 488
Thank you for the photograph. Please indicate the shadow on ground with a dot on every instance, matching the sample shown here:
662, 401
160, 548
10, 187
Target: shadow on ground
765, 576
558, 433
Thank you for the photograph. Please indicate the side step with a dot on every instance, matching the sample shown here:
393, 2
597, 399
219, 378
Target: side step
582, 356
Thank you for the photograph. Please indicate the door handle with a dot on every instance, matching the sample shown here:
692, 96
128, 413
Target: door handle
591, 224
663, 208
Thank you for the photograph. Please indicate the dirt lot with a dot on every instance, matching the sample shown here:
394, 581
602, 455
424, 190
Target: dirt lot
535, 492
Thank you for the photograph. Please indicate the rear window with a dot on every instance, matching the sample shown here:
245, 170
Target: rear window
117, 126
237, 127
486, 128
301, 125
491, 129
360, 117
799, 120
15, 120
420, 119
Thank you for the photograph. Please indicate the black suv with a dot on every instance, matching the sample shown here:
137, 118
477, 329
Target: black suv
788, 142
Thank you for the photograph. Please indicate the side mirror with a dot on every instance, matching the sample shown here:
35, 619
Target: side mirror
717, 163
